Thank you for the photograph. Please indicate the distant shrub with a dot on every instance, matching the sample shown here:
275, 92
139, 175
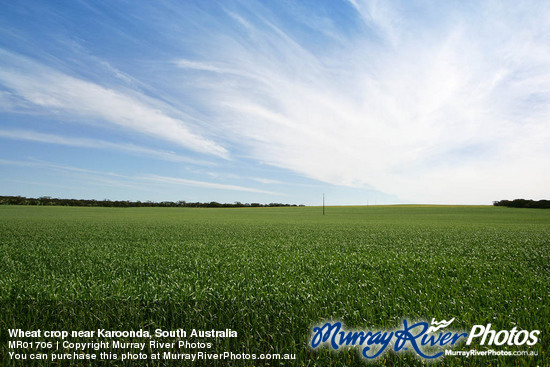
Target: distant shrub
523, 203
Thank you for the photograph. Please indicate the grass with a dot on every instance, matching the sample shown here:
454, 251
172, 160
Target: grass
273, 273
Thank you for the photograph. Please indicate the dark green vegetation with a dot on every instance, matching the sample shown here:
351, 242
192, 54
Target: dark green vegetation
47, 200
522, 203
273, 273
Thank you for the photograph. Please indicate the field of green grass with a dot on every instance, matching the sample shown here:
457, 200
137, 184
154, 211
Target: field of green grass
271, 274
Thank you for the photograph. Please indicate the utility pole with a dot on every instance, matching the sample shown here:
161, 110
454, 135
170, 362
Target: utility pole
323, 203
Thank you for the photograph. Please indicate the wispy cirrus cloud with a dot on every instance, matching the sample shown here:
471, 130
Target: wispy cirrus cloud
435, 104
42, 86
89, 176
120, 180
97, 144
203, 184
49, 165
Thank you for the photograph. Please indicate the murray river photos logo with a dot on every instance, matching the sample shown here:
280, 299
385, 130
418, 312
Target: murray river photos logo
427, 341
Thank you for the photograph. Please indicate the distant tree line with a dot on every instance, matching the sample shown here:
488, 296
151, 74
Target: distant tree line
47, 200
523, 203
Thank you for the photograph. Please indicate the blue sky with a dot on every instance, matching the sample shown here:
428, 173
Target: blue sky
281, 101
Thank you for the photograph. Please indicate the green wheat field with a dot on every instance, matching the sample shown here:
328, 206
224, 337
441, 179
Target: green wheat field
271, 274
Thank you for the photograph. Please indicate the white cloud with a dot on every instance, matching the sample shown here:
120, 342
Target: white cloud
56, 91
194, 65
43, 164
266, 181
97, 144
203, 184
119, 180
453, 112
